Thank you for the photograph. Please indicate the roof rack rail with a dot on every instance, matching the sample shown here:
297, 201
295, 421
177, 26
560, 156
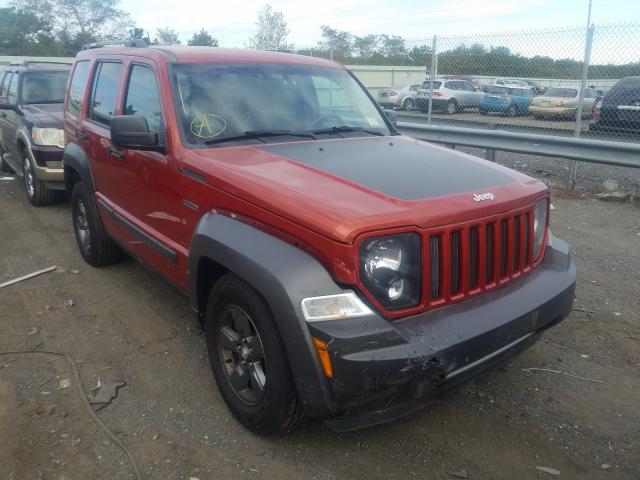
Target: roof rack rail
132, 42
26, 63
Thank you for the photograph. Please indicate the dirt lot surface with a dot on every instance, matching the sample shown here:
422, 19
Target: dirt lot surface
122, 323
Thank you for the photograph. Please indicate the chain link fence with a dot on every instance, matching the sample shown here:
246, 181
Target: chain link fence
563, 81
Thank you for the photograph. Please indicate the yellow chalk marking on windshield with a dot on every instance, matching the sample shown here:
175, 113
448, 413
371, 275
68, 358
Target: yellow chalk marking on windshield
208, 125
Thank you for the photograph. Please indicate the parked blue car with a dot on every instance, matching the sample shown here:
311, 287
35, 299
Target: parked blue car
508, 100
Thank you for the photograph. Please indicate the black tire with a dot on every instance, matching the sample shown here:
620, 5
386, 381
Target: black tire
512, 111
94, 244
483, 112
408, 104
264, 406
4, 166
37, 193
451, 107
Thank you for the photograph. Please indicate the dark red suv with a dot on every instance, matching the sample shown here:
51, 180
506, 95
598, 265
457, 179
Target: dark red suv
342, 271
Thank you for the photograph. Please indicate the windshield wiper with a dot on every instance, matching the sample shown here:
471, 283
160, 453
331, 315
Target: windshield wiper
249, 134
346, 128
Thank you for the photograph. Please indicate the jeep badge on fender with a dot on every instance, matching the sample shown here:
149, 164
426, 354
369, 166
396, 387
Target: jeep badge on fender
320, 248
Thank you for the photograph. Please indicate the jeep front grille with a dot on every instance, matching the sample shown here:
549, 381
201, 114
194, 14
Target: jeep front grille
467, 259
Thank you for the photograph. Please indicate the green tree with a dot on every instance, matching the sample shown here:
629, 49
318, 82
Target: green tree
137, 33
167, 36
272, 30
365, 46
339, 42
23, 33
203, 39
75, 22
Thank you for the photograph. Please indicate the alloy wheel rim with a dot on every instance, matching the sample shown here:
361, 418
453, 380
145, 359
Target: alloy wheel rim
242, 355
82, 227
451, 107
29, 179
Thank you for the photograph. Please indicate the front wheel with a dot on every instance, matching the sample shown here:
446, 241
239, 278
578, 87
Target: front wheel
248, 359
512, 111
37, 193
4, 166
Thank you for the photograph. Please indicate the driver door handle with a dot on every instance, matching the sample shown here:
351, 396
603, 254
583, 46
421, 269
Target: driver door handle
115, 153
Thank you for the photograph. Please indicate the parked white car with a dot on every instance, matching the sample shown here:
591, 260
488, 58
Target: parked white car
450, 96
399, 97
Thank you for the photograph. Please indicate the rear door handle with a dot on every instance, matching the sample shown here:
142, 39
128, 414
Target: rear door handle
80, 134
115, 153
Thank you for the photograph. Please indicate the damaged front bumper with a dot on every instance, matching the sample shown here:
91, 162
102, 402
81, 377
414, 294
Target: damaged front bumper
383, 370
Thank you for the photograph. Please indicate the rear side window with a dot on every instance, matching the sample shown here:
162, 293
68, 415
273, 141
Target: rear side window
5, 84
105, 91
12, 93
142, 96
414, 88
77, 88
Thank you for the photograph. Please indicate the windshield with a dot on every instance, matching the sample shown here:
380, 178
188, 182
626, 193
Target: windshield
561, 92
226, 100
44, 87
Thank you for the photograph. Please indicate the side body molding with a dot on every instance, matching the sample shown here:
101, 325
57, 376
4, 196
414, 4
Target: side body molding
284, 275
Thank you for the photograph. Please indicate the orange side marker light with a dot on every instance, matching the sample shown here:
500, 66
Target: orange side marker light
323, 355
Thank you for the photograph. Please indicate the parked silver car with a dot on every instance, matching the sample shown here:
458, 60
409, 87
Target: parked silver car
450, 96
399, 97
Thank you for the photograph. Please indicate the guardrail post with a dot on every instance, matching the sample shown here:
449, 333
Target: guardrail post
432, 73
491, 152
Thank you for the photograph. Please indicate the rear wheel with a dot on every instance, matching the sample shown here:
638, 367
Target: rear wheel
248, 359
512, 111
37, 193
451, 107
408, 104
95, 246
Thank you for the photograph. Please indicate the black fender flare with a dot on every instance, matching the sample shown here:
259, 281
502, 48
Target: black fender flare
76, 160
284, 275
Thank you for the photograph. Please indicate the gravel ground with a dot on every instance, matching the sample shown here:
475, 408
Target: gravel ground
124, 323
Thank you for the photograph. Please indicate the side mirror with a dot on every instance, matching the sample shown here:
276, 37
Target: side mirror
132, 131
392, 116
5, 105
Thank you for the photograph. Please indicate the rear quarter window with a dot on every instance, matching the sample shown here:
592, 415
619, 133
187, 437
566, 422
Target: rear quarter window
77, 88
4, 87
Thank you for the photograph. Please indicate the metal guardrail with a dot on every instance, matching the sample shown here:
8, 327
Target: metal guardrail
580, 149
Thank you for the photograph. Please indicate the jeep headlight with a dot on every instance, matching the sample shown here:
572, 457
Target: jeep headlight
53, 137
540, 222
390, 269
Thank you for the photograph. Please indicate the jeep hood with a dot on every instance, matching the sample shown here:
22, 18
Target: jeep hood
341, 188
45, 115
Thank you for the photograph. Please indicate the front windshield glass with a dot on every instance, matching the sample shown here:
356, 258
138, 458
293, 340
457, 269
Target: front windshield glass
221, 100
44, 87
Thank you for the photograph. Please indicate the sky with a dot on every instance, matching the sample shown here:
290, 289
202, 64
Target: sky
233, 23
